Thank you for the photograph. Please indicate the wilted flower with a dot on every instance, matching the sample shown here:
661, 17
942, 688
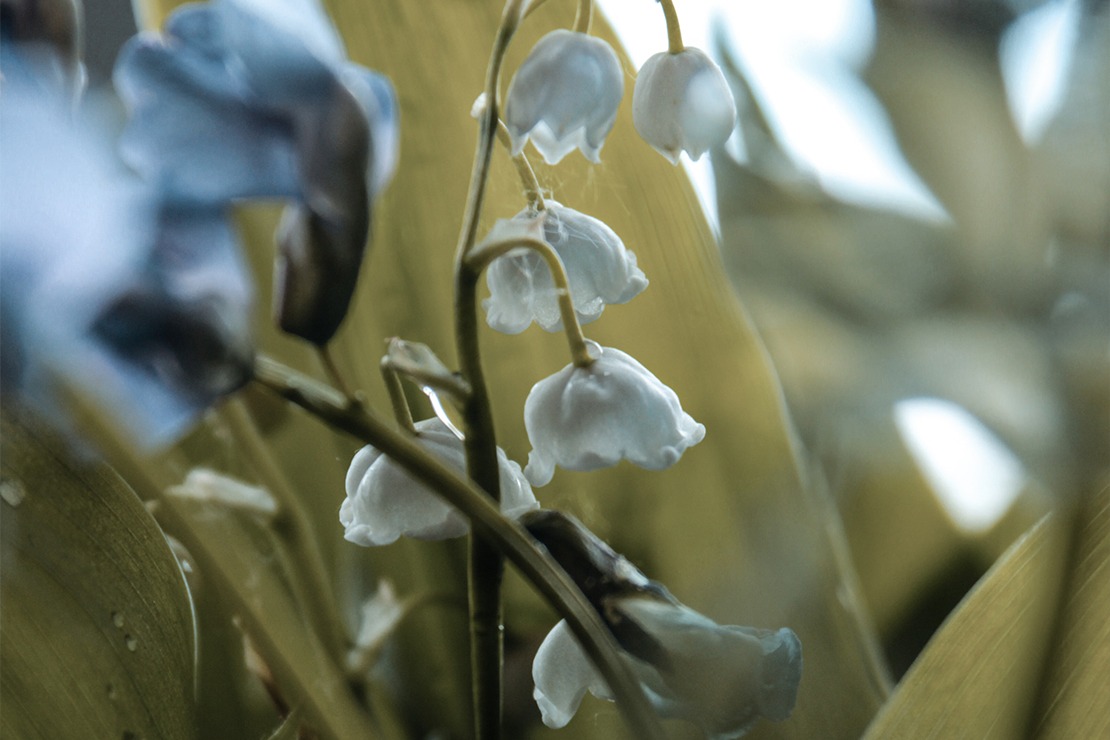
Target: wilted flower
585, 418
721, 677
146, 312
565, 95
600, 271
384, 502
682, 101
242, 99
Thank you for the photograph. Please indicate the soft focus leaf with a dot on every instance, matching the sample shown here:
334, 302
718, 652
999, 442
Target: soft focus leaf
97, 635
1006, 660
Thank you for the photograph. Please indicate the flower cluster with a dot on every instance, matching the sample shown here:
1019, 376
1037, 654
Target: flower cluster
566, 94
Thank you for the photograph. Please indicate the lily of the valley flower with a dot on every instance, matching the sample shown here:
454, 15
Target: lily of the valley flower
721, 677
384, 502
245, 99
142, 310
682, 102
565, 95
585, 418
600, 271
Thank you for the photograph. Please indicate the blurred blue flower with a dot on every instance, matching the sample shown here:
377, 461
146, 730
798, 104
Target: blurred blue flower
586, 418
600, 272
384, 502
565, 95
250, 99
145, 313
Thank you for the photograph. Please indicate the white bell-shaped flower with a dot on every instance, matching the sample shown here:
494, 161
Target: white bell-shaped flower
682, 102
600, 271
384, 502
585, 418
723, 678
565, 95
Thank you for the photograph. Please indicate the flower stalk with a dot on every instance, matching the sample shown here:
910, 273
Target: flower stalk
674, 32
485, 566
524, 168
480, 258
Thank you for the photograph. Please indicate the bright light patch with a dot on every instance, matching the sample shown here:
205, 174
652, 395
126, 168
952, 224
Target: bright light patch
975, 476
1035, 55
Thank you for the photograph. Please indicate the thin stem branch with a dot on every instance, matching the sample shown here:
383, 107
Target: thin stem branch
332, 369
674, 32
524, 169
480, 258
487, 522
401, 411
583, 16
485, 566
291, 524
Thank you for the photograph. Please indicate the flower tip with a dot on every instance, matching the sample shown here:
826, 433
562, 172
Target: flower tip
782, 673
540, 470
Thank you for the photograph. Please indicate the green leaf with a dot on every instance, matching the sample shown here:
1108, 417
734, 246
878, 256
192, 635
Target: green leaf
97, 635
1007, 660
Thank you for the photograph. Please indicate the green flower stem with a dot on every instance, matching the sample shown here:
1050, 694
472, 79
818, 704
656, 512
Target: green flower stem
310, 576
674, 32
485, 566
401, 411
583, 16
487, 522
524, 169
481, 257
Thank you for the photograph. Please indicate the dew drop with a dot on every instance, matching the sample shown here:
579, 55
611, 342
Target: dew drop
12, 492
117, 619
131, 643
112, 692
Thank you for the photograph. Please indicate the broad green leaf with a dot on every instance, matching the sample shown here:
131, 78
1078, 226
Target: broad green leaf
1007, 661
96, 633
734, 530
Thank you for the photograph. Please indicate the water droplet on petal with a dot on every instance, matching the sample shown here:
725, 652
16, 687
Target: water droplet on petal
117, 619
131, 643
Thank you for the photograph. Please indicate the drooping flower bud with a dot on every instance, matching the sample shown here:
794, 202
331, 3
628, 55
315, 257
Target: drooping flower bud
585, 418
565, 95
682, 102
600, 271
384, 502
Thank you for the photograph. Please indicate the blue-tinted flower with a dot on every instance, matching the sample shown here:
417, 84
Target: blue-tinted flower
142, 311
682, 102
384, 502
723, 678
600, 271
565, 95
585, 418
245, 99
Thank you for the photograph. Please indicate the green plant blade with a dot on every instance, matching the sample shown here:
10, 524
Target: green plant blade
97, 635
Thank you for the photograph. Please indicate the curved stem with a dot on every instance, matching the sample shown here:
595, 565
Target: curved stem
583, 16
485, 566
488, 523
674, 33
401, 411
480, 258
524, 169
